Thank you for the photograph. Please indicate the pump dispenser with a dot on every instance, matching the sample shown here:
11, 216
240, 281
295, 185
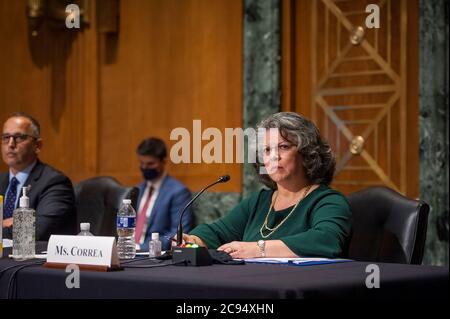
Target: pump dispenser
24, 201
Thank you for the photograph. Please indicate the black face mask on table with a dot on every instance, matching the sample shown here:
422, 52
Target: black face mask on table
149, 173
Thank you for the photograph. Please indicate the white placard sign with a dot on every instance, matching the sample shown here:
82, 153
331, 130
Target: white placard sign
82, 250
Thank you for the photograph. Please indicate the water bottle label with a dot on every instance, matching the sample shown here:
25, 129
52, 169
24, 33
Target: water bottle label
126, 222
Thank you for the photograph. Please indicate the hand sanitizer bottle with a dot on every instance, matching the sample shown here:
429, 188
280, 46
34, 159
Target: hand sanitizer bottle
154, 246
24, 229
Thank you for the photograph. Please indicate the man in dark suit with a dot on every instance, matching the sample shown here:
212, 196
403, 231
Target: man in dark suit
50, 192
161, 197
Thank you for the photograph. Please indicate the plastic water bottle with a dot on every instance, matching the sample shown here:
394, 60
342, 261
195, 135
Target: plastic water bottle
85, 227
24, 229
154, 246
126, 225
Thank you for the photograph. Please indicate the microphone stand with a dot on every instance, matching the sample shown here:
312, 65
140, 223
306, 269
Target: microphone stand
193, 256
222, 179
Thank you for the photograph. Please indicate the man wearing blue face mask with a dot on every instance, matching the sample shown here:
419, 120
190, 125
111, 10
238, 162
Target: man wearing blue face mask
161, 197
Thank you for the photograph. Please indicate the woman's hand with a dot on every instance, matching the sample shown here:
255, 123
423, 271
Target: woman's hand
190, 239
241, 249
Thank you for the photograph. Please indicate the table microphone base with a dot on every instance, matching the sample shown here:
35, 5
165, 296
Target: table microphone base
191, 256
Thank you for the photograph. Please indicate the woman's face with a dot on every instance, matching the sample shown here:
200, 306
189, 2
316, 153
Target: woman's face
281, 158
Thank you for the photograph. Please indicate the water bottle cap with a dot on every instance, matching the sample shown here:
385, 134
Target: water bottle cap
155, 236
85, 226
126, 201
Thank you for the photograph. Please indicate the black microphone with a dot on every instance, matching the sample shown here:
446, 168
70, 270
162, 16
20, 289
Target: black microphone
222, 179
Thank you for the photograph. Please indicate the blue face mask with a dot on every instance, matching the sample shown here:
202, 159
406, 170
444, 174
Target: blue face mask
149, 173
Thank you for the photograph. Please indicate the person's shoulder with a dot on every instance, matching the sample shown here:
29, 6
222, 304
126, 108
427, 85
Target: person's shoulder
47, 168
174, 184
141, 185
50, 172
263, 193
325, 193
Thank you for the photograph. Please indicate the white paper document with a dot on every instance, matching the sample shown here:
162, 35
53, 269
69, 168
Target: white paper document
37, 256
7, 243
294, 261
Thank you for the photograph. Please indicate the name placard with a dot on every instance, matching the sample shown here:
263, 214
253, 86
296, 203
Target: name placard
96, 251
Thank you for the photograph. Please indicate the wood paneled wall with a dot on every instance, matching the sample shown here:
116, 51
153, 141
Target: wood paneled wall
365, 91
98, 95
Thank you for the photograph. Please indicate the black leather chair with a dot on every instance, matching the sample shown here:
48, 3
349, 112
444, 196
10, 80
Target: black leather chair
387, 226
98, 200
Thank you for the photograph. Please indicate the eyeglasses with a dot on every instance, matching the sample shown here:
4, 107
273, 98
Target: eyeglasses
17, 138
281, 148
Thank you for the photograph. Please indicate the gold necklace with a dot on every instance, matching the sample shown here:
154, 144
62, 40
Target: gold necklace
264, 226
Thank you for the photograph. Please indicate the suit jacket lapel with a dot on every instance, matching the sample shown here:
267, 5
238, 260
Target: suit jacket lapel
34, 176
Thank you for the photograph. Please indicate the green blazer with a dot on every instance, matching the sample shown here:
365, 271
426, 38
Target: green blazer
320, 226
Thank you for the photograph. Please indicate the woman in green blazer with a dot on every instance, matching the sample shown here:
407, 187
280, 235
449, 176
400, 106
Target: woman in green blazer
299, 214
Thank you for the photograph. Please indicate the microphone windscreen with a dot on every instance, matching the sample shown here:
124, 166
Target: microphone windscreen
224, 178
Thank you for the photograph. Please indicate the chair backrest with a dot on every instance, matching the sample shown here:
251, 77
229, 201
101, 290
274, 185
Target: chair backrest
97, 201
387, 226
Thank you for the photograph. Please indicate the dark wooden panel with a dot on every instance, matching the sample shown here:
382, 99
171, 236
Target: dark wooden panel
176, 61
52, 77
346, 89
98, 94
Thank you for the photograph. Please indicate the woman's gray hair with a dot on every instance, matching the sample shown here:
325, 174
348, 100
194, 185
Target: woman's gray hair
318, 159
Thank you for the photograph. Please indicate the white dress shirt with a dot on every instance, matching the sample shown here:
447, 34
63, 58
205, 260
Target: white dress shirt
156, 186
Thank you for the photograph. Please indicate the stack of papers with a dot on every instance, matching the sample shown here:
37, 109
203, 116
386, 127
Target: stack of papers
295, 261
7, 243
